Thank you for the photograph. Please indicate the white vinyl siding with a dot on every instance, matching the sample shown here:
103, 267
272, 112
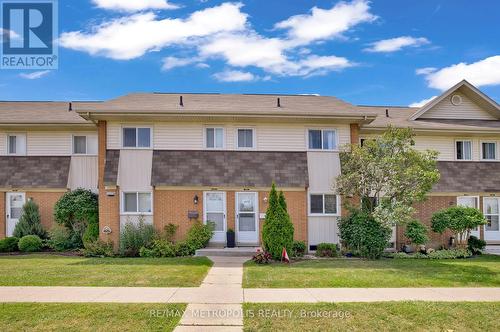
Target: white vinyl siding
466, 110
323, 168
83, 173
134, 170
178, 136
322, 229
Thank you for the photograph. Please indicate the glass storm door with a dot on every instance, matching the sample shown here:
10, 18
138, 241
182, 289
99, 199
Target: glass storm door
247, 226
491, 206
14, 207
214, 204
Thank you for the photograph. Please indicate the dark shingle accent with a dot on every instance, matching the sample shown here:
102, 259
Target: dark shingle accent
111, 167
468, 176
34, 172
229, 168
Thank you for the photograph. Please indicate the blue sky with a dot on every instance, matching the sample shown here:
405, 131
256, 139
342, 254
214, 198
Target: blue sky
375, 53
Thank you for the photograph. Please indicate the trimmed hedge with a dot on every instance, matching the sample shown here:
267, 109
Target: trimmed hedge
326, 250
30, 243
9, 244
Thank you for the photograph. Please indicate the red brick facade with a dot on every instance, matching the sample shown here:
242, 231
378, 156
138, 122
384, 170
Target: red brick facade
46, 202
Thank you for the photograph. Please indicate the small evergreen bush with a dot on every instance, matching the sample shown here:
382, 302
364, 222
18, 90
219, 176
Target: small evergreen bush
416, 232
475, 245
277, 231
298, 248
326, 250
363, 235
30, 243
61, 240
134, 236
9, 244
29, 222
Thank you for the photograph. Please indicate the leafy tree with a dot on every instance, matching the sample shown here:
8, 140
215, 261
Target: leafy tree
277, 231
460, 220
416, 232
29, 222
78, 211
388, 174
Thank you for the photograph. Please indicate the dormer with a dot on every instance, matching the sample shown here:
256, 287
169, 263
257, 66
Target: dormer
461, 102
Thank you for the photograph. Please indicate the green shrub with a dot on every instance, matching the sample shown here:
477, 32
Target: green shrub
277, 231
199, 235
9, 244
159, 248
363, 235
326, 250
29, 222
134, 236
78, 211
183, 249
438, 254
416, 232
169, 232
98, 248
475, 245
460, 220
61, 239
298, 248
30, 243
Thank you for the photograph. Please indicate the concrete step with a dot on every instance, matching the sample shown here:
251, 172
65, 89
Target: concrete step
229, 252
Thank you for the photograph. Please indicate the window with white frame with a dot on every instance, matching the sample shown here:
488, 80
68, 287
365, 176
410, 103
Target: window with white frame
323, 204
488, 150
492, 213
16, 144
136, 137
214, 138
137, 202
85, 144
322, 139
463, 150
246, 138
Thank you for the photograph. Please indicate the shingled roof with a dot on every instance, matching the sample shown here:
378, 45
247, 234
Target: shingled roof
468, 177
34, 172
34, 112
229, 169
111, 167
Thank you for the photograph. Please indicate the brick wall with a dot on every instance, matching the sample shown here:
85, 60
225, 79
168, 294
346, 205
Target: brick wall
46, 202
424, 214
3, 225
109, 206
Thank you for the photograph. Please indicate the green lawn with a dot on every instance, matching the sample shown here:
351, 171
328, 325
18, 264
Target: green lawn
482, 271
51, 270
89, 317
388, 316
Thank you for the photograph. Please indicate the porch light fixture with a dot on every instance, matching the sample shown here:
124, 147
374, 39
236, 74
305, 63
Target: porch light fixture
195, 199
265, 199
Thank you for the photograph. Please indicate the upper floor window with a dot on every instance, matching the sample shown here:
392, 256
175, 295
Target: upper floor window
137, 202
214, 138
322, 139
83, 144
488, 150
464, 150
246, 138
323, 204
16, 144
136, 137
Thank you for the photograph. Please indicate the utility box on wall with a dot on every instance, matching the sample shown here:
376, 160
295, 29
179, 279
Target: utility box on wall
193, 214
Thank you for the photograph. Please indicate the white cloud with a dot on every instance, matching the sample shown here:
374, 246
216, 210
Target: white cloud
234, 76
134, 5
396, 44
425, 71
173, 62
481, 73
323, 24
422, 102
35, 75
130, 37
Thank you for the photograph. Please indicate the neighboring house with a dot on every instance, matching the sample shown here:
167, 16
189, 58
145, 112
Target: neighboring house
175, 158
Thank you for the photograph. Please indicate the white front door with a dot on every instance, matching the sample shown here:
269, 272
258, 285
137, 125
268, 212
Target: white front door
247, 218
473, 202
214, 207
491, 207
14, 207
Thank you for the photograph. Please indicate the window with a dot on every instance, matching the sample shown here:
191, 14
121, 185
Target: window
488, 150
492, 213
464, 150
136, 137
80, 144
137, 202
323, 204
214, 138
246, 138
320, 139
16, 144
468, 201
